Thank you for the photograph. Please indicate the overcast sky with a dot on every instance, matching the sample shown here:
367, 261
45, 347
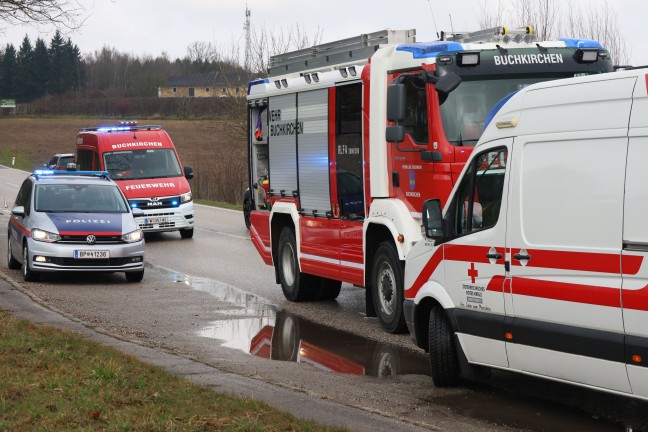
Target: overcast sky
155, 26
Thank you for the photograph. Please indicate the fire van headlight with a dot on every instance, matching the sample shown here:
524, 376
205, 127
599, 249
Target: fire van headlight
133, 236
185, 197
44, 236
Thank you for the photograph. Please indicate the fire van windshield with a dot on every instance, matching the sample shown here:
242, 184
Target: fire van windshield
140, 164
469, 108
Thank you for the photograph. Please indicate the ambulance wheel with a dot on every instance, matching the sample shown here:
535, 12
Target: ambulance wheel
186, 233
294, 283
443, 355
247, 209
329, 289
135, 276
12, 262
387, 287
28, 274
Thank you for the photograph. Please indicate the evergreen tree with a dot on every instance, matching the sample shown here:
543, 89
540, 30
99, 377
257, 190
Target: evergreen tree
8, 73
58, 63
40, 68
24, 80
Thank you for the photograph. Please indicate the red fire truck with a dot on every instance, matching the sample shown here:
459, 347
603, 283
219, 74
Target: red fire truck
346, 139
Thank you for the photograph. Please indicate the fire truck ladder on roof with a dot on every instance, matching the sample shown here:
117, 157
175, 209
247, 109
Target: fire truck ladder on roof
495, 34
343, 51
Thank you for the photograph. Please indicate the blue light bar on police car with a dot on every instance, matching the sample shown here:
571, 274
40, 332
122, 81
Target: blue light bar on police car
40, 172
429, 49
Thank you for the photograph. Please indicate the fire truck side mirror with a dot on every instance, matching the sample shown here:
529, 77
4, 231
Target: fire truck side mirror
433, 219
446, 84
395, 133
396, 102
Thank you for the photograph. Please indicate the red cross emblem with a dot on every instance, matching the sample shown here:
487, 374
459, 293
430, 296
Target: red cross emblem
472, 272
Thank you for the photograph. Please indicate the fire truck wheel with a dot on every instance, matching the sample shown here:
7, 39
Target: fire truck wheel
186, 233
329, 289
285, 338
294, 283
387, 286
443, 355
247, 208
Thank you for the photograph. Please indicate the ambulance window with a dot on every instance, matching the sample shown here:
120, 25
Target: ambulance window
478, 201
416, 117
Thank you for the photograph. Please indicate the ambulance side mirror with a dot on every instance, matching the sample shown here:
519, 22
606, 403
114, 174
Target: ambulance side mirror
433, 219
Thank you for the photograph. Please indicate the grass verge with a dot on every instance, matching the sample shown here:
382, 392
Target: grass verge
53, 380
221, 204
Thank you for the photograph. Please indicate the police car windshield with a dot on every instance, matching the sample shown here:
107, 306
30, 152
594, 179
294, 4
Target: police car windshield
79, 198
468, 109
141, 164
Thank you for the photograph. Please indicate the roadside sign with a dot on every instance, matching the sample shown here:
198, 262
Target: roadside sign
7, 103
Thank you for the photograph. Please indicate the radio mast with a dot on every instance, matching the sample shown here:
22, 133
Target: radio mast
248, 40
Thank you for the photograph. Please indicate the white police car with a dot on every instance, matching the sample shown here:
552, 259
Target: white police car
74, 221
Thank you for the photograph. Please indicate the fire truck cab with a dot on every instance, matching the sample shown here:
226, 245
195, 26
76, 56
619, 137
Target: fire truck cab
538, 263
347, 138
143, 161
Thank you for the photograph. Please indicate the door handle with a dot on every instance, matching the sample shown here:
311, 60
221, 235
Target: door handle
496, 256
520, 257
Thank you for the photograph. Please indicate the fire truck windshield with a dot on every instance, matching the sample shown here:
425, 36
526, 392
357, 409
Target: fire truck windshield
466, 109
137, 164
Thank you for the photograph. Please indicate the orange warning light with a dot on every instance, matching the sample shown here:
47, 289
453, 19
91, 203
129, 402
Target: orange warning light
508, 336
636, 358
400, 238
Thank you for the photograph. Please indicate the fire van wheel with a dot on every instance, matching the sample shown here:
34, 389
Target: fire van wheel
12, 262
443, 355
387, 286
135, 276
247, 209
28, 274
294, 283
186, 233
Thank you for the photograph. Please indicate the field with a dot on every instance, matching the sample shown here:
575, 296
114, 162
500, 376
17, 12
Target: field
215, 149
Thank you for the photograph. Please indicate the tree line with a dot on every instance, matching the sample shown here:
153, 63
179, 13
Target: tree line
35, 70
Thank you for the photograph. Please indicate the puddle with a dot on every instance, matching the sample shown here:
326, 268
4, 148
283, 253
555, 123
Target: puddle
254, 326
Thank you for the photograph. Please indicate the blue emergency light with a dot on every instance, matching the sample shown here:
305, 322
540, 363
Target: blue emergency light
44, 173
429, 49
581, 43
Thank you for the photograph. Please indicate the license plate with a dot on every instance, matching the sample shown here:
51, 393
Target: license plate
91, 254
155, 220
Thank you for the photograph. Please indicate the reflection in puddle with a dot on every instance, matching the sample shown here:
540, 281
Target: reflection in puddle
254, 326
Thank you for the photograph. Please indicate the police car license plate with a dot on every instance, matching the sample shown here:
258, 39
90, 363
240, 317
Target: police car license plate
91, 254
155, 220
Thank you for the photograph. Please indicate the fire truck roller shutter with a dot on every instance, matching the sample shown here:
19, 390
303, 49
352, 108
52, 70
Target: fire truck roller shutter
282, 144
313, 155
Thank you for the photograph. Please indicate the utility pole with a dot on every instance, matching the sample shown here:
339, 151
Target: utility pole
248, 38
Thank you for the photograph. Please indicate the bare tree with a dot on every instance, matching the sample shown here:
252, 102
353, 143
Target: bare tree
266, 43
552, 18
65, 13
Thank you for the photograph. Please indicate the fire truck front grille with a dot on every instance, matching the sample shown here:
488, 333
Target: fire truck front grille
161, 203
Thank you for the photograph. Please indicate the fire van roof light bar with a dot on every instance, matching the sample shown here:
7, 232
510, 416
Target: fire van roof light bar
119, 128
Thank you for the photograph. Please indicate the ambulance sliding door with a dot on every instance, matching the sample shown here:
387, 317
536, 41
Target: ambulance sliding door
635, 262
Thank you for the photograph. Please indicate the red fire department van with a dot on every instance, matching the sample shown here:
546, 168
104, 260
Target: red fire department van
145, 164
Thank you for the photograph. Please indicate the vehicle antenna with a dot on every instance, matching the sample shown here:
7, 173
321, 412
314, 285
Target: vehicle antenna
433, 19
451, 25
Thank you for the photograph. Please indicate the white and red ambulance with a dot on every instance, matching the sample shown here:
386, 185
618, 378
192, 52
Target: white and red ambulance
539, 261
145, 164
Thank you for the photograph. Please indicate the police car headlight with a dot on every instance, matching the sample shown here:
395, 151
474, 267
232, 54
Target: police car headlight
44, 236
133, 236
185, 197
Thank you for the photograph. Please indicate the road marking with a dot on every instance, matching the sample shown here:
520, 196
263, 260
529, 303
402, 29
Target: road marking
236, 236
11, 184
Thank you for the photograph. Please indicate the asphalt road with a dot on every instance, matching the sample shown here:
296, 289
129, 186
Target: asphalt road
211, 300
